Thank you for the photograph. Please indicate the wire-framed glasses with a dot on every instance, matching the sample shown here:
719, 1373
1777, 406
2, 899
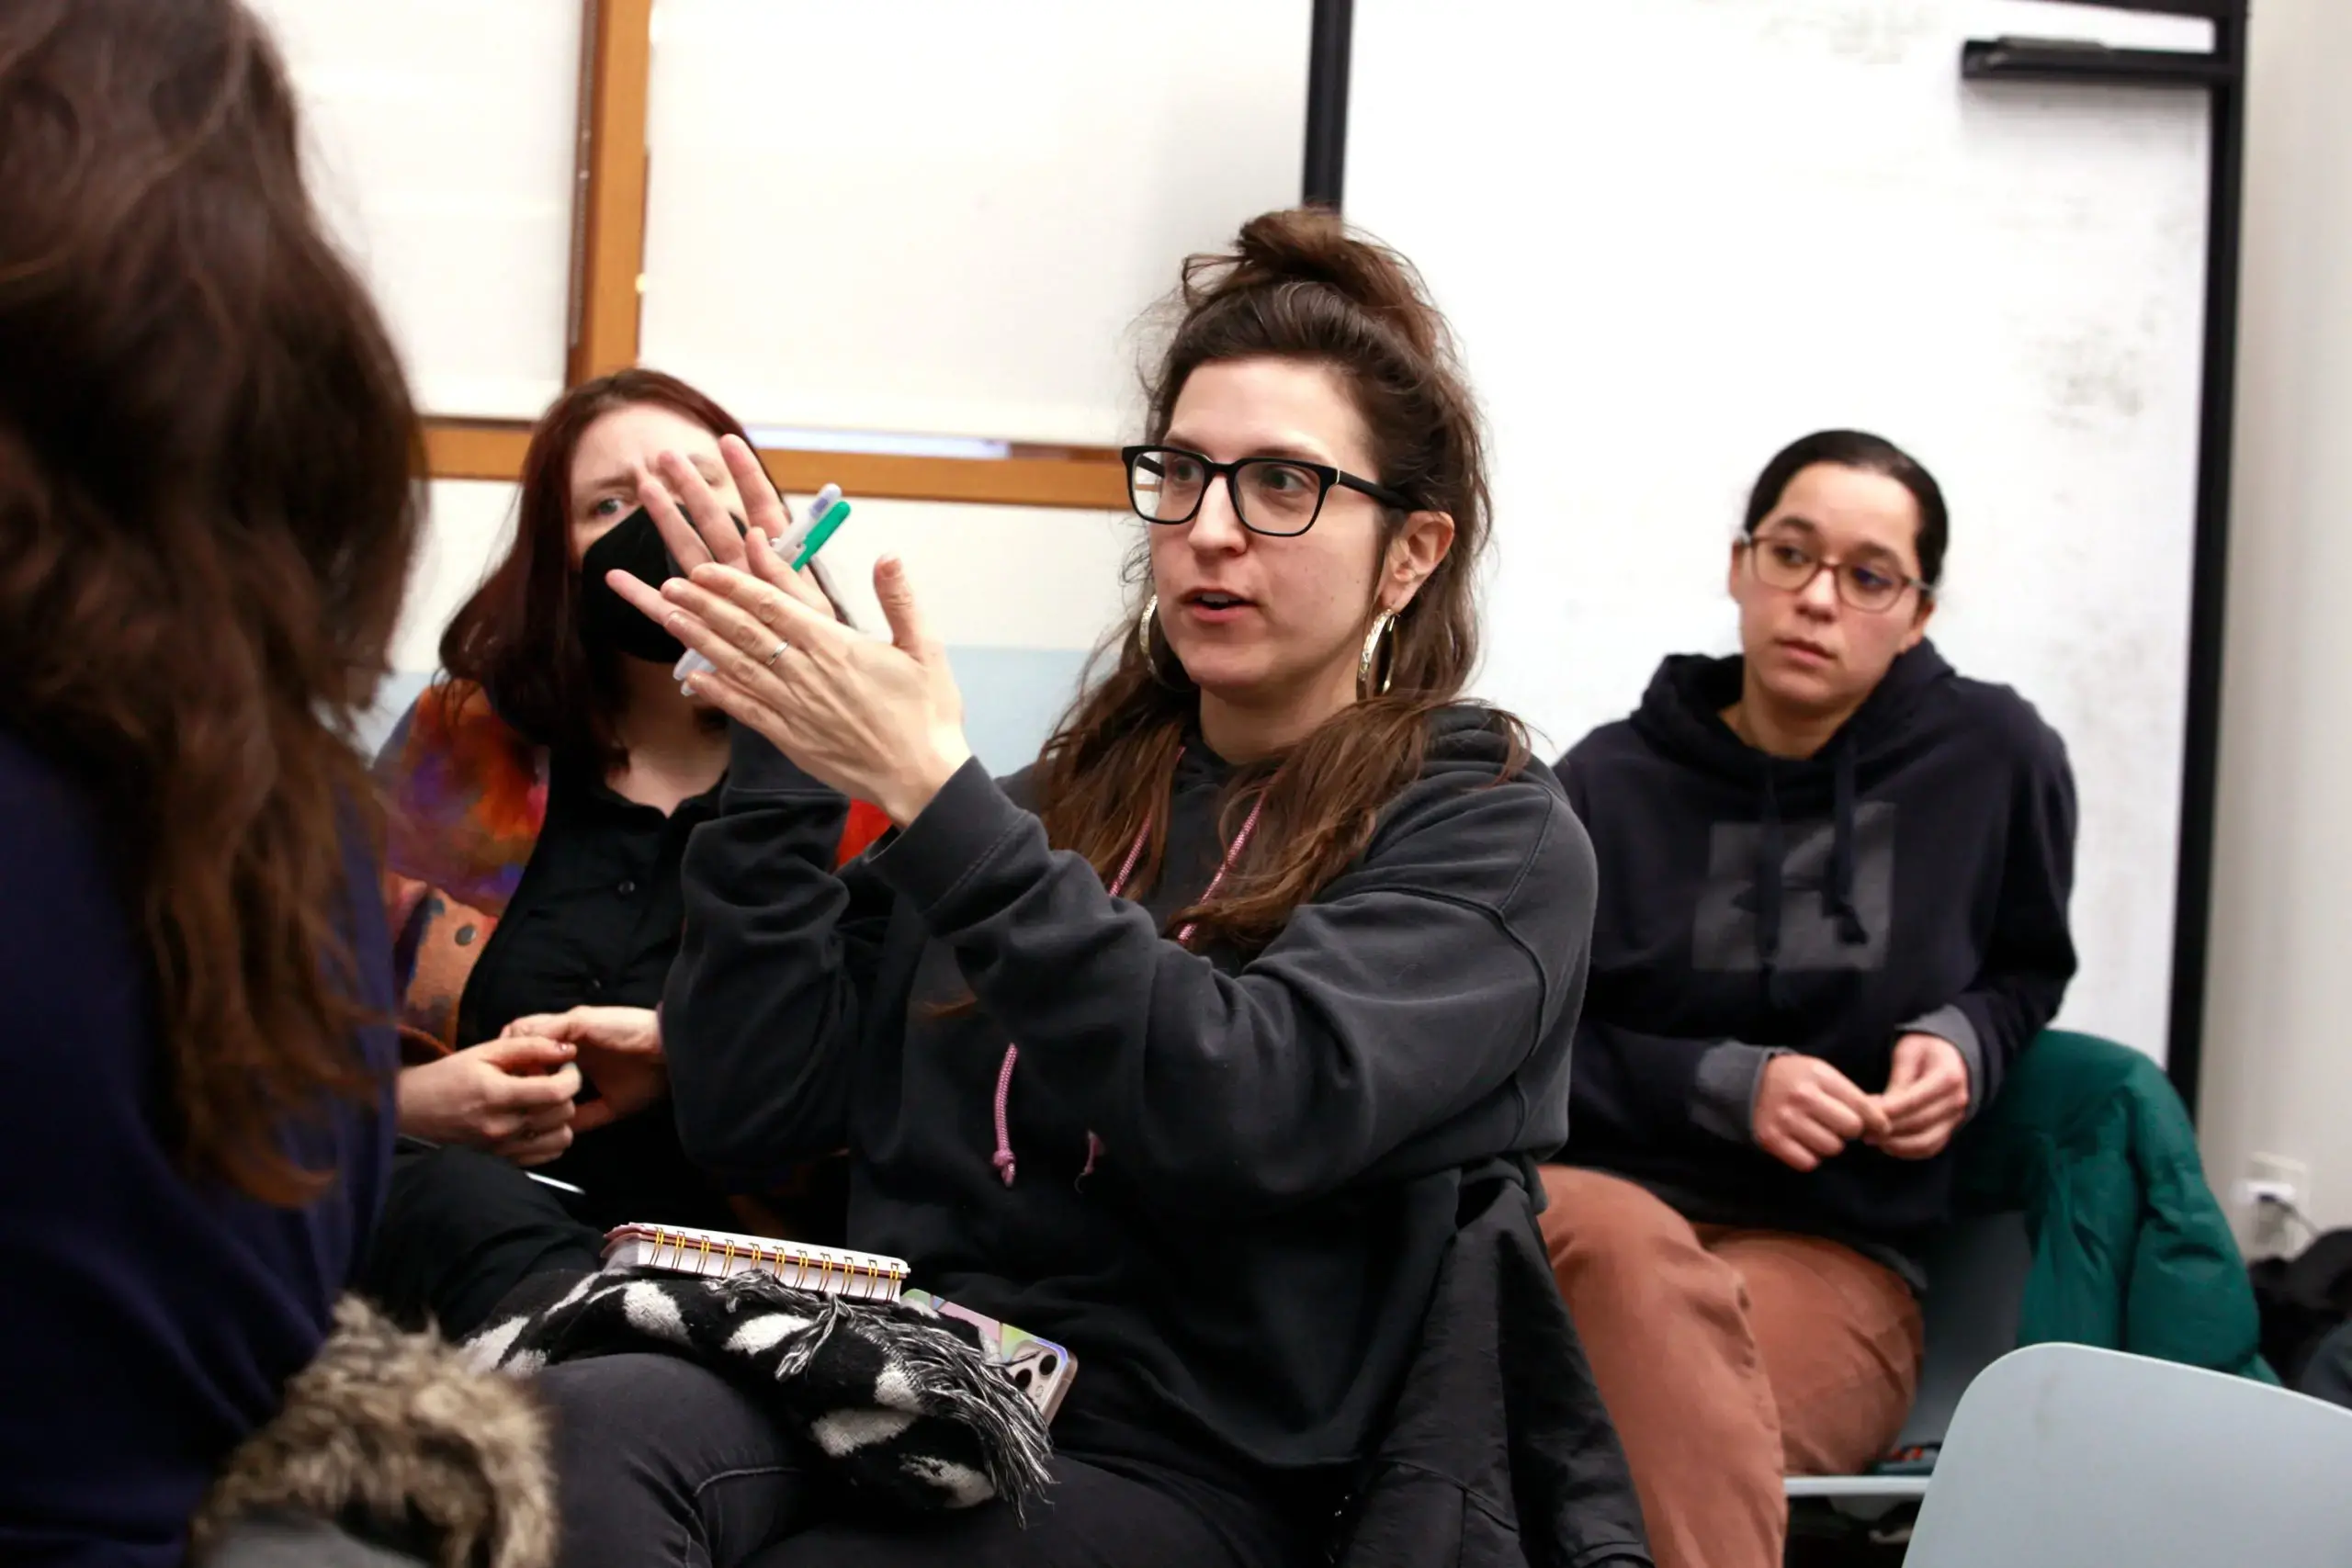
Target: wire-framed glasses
1872, 585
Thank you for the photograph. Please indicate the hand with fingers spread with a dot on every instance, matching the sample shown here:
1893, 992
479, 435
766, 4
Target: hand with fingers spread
620, 1053
1927, 1097
695, 525
1807, 1111
511, 1096
879, 721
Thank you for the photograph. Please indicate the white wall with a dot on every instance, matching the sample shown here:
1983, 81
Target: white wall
439, 138
2277, 1057
990, 576
1787, 214
469, 528
941, 218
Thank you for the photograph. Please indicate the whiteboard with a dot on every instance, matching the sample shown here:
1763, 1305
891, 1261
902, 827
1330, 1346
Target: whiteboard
439, 138
945, 218
1675, 234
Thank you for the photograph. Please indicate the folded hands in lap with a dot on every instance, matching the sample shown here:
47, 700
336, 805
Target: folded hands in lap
511, 1096
514, 1096
1807, 1111
620, 1050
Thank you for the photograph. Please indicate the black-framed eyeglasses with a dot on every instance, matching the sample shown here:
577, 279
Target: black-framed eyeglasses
1278, 497
1870, 586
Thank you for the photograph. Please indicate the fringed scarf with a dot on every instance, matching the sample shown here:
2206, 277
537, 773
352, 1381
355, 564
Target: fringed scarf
906, 1412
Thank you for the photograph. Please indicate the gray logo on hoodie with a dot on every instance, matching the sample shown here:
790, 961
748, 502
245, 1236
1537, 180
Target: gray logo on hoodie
1724, 934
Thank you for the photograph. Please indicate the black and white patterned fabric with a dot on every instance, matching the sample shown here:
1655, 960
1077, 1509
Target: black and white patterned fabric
905, 1413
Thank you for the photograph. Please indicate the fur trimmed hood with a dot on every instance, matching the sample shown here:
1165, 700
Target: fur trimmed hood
398, 1436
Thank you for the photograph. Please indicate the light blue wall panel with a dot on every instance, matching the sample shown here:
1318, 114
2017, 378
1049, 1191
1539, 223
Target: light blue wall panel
1012, 698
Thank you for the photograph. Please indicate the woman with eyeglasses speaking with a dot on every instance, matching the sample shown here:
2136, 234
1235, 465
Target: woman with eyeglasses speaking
1834, 877
1190, 1047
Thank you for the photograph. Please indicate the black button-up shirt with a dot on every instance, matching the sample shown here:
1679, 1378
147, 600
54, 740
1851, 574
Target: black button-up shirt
597, 922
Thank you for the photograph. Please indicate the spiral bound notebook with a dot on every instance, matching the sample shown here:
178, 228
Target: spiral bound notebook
833, 1270
1039, 1367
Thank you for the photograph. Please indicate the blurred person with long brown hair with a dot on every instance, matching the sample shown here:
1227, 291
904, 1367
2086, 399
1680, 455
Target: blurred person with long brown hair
208, 499
1185, 1047
540, 796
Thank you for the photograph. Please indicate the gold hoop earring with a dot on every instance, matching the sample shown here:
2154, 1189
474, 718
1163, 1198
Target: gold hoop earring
1382, 624
1151, 656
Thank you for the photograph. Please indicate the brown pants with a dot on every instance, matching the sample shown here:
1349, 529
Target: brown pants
1728, 1359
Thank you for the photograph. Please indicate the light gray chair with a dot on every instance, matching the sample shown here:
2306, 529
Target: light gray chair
2062, 1456
1975, 1283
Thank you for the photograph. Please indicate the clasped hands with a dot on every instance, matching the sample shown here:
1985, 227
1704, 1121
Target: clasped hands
1807, 1111
515, 1096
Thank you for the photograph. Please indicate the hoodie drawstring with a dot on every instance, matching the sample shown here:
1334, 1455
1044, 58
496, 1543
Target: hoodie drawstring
1003, 1159
1771, 855
1771, 848
1839, 898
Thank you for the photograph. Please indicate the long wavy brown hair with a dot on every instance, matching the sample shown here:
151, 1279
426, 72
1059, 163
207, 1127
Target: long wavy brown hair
1298, 284
208, 505
518, 638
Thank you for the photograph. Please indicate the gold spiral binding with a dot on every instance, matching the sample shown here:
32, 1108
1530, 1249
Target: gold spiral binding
861, 1278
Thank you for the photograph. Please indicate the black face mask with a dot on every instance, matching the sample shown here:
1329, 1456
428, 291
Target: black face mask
633, 545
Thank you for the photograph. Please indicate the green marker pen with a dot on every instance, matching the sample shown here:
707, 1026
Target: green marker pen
827, 527
826, 514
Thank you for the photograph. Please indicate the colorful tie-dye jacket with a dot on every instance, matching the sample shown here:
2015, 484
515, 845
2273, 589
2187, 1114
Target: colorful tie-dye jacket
465, 798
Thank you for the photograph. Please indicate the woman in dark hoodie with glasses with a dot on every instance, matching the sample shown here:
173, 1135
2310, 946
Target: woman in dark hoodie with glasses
1833, 877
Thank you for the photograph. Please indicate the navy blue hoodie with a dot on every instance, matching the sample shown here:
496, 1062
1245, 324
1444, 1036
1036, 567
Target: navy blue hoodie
1913, 876
148, 1321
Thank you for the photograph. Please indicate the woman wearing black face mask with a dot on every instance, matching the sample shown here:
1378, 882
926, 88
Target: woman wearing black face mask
540, 796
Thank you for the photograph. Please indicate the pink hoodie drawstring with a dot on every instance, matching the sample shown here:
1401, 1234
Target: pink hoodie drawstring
1003, 1159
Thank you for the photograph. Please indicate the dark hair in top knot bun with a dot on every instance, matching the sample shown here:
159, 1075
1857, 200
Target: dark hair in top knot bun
1310, 245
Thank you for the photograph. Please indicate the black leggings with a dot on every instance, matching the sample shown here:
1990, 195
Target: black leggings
460, 1229
661, 1463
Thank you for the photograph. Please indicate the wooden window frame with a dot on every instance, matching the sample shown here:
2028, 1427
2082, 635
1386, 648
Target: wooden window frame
608, 266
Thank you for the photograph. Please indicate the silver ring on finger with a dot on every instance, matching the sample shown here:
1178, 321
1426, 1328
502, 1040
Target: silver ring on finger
780, 646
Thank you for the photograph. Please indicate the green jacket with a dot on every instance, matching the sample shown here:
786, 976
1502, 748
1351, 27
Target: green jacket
2130, 1251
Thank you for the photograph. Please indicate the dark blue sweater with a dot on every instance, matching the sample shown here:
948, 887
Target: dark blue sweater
147, 1324
1913, 876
